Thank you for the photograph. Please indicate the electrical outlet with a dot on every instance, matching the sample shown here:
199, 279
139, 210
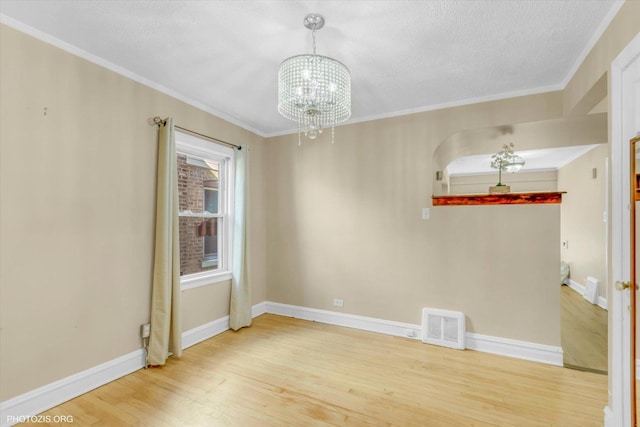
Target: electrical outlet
145, 330
338, 302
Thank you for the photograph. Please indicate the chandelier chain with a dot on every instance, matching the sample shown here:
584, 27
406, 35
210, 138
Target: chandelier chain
313, 37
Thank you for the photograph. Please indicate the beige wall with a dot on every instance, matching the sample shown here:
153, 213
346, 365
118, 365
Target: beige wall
345, 222
77, 201
519, 182
582, 224
587, 87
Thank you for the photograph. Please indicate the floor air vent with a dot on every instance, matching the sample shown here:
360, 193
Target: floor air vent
443, 327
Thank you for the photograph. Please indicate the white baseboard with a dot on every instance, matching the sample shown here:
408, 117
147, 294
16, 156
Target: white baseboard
488, 344
525, 350
258, 309
371, 324
218, 326
602, 303
203, 332
55, 393
608, 417
579, 288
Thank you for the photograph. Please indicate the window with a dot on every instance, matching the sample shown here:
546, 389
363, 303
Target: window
205, 198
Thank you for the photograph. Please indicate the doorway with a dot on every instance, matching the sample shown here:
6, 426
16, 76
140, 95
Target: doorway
583, 275
624, 113
584, 333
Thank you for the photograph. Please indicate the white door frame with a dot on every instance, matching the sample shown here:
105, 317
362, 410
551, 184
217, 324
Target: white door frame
618, 412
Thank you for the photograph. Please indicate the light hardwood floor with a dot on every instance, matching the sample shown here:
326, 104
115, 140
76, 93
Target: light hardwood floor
290, 372
584, 332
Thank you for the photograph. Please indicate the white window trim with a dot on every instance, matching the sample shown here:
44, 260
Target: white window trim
209, 263
205, 278
191, 145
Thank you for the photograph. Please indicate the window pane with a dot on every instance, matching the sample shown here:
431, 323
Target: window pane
194, 174
211, 199
198, 245
198, 182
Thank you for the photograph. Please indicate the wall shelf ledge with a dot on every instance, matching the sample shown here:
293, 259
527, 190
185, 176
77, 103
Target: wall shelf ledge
542, 197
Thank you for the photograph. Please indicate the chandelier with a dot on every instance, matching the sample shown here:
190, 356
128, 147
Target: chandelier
314, 90
515, 164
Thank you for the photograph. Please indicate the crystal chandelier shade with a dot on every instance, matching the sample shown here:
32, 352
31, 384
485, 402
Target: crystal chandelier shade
514, 164
314, 90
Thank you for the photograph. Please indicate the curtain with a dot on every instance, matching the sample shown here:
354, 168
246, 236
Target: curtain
240, 305
166, 324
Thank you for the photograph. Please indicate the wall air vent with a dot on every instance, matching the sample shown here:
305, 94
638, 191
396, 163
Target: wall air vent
443, 327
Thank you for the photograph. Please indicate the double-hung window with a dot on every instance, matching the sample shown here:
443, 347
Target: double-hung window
205, 201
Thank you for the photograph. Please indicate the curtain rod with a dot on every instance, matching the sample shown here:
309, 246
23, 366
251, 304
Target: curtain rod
158, 121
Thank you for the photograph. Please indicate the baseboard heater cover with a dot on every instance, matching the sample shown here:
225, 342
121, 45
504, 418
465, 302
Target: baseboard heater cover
443, 327
591, 290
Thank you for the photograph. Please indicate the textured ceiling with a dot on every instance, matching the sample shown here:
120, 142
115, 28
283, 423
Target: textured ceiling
404, 56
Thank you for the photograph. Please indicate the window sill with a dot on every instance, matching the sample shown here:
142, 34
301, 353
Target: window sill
203, 279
